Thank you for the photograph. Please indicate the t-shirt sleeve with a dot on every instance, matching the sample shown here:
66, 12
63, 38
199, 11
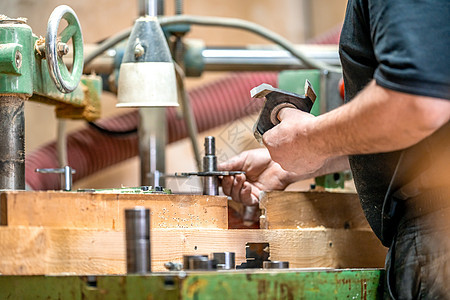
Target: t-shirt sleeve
411, 41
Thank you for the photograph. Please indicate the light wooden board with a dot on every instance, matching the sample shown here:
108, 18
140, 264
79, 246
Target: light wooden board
39, 250
106, 211
311, 209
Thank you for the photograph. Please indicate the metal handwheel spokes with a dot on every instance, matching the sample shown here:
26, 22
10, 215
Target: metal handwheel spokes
56, 47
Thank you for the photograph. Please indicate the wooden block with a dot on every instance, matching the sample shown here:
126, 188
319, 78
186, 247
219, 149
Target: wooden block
311, 209
106, 211
40, 250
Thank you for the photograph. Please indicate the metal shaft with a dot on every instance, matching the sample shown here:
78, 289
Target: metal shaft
148, 8
152, 132
210, 183
137, 234
12, 143
245, 59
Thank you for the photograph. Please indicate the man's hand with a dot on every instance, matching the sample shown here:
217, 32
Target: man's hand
288, 143
261, 173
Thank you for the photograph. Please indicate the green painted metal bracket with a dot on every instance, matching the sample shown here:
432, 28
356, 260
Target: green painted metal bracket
16, 62
282, 284
23, 70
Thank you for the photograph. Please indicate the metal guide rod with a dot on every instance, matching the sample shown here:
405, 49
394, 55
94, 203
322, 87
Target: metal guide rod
148, 8
233, 59
137, 237
152, 132
210, 183
12, 143
217, 59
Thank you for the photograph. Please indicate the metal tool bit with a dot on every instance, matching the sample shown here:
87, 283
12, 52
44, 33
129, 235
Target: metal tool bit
137, 235
276, 100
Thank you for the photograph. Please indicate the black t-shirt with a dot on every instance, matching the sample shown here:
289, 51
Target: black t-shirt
404, 45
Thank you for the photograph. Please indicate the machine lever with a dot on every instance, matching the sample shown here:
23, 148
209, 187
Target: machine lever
66, 180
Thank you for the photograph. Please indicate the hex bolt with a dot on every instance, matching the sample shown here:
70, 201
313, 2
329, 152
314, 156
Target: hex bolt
62, 48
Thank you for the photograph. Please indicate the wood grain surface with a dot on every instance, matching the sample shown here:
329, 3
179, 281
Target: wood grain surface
311, 209
40, 250
106, 211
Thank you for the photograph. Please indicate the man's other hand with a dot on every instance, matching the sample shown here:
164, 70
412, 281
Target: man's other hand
261, 173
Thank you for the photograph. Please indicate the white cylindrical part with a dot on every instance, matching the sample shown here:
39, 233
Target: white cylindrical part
147, 84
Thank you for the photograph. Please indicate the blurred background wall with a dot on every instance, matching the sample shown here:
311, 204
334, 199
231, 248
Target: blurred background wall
296, 20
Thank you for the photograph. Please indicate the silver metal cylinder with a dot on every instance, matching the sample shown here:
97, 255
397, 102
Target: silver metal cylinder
12, 143
200, 263
152, 132
137, 236
67, 178
210, 183
225, 260
188, 258
148, 8
254, 59
275, 265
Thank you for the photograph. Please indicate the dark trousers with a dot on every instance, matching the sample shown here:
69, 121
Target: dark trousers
418, 262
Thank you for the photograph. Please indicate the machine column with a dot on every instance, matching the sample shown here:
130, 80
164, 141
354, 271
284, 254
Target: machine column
12, 142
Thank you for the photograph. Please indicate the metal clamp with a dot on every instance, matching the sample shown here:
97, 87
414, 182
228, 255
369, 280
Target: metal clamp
66, 180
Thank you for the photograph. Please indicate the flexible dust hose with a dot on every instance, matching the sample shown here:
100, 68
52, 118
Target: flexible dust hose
90, 151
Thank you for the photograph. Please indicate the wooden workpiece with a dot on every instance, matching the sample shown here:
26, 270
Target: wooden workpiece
39, 250
57, 232
283, 210
106, 211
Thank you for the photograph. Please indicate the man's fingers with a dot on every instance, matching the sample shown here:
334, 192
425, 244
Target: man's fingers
235, 163
237, 186
227, 184
247, 196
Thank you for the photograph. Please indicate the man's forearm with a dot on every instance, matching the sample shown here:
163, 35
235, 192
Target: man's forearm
377, 120
332, 165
